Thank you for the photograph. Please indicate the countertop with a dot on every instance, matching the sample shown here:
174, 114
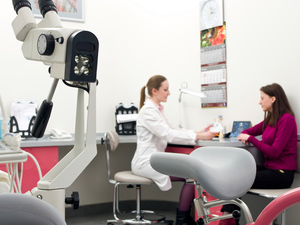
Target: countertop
48, 141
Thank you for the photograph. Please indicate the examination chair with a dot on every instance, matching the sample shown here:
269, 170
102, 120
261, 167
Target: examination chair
226, 173
111, 141
22, 209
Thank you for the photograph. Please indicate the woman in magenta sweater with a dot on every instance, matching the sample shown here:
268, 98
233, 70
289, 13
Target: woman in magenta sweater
278, 144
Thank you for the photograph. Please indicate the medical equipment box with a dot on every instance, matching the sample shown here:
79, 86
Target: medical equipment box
126, 119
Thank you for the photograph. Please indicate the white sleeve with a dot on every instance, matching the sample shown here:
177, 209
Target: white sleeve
156, 124
177, 128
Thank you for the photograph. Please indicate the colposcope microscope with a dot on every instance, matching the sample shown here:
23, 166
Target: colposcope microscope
72, 56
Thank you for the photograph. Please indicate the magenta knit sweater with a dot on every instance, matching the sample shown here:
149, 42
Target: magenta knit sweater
279, 143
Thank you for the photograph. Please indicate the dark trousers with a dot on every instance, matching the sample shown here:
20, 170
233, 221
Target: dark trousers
267, 179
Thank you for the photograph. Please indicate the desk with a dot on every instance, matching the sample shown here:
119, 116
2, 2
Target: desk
187, 149
233, 142
222, 142
46, 149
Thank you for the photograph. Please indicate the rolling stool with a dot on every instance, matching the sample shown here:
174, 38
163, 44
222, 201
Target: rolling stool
111, 142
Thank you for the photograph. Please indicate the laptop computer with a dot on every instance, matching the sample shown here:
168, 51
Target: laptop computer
238, 127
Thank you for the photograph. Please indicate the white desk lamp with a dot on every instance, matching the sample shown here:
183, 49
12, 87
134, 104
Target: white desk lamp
185, 90
191, 92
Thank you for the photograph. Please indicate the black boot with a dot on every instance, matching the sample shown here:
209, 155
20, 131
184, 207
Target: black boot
184, 218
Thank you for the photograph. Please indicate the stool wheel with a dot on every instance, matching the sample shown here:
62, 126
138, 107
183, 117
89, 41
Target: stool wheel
236, 214
200, 221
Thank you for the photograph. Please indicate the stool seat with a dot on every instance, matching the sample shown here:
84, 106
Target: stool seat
274, 193
129, 177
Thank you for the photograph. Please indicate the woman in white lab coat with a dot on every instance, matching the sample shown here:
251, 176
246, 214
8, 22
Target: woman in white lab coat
153, 133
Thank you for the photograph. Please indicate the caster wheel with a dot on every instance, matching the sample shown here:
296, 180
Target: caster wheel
200, 221
236, 214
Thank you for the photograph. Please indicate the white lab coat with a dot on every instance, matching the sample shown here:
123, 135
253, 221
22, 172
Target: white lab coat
154, 132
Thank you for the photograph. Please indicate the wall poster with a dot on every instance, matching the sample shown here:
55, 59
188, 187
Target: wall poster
70, 10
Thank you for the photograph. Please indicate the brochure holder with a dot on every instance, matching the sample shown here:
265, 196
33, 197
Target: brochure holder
14, 127
23, 115
126, 128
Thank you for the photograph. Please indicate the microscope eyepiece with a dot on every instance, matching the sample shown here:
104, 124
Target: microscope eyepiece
20, 4
46, 6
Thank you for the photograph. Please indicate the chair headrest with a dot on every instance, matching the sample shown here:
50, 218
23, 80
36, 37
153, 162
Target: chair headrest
113, 138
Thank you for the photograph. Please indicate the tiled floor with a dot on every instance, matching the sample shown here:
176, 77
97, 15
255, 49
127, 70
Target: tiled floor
99, 214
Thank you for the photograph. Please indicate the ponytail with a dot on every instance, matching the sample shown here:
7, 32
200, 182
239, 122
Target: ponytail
143, 97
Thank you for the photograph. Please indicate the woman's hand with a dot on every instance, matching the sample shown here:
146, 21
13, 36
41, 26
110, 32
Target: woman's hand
205, 129
243, 138
205, 135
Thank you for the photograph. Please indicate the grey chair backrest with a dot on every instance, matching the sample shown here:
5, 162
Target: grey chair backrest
113, 139
21, 209
111, 142
224, 172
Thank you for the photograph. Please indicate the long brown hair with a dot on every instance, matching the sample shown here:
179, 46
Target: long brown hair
154, 82
279, 107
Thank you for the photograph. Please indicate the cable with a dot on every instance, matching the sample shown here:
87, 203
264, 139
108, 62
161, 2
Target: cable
36, 163
17, 178
12, 178
9, 176
21, 173
79, 85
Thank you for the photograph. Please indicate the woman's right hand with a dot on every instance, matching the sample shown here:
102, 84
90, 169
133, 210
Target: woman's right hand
206, 135
243, 138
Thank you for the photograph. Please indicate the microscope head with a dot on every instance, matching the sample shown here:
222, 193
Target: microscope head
71, 54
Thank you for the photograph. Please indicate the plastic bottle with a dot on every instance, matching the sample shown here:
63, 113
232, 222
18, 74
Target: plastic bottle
221, 134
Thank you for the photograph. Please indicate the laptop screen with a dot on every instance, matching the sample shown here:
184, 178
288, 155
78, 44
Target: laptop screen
238, 127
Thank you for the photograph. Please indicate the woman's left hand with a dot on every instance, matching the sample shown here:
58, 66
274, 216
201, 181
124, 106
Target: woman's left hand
243, 138
205, 129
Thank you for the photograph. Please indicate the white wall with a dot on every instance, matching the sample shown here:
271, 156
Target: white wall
141, 38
